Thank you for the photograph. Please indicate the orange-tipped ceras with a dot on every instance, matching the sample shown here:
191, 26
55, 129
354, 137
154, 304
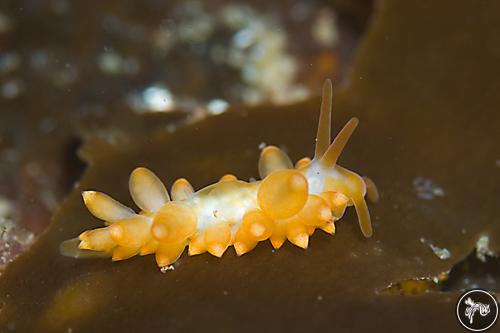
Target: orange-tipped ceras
288, 203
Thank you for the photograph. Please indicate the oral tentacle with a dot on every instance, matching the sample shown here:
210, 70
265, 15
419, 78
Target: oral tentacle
325, 119
334, 151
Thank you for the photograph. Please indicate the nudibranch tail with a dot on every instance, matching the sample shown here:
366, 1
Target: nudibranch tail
289, 203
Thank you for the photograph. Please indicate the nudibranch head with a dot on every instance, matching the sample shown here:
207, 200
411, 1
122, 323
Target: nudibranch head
288, 203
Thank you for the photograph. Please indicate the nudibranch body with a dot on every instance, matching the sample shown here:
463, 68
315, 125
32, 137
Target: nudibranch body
290, 202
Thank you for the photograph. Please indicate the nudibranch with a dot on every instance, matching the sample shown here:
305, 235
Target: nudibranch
290, 202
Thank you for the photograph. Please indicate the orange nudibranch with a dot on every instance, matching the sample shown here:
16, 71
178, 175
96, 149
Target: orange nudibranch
288, 203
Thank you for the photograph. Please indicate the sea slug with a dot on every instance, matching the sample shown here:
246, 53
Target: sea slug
288, 203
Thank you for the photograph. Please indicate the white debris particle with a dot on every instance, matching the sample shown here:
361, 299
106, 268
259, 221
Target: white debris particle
441, 253
165, 269
497, 163
156, 98
262, 145
482, 248
225, 292
426, 189
217, 106
319, 298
